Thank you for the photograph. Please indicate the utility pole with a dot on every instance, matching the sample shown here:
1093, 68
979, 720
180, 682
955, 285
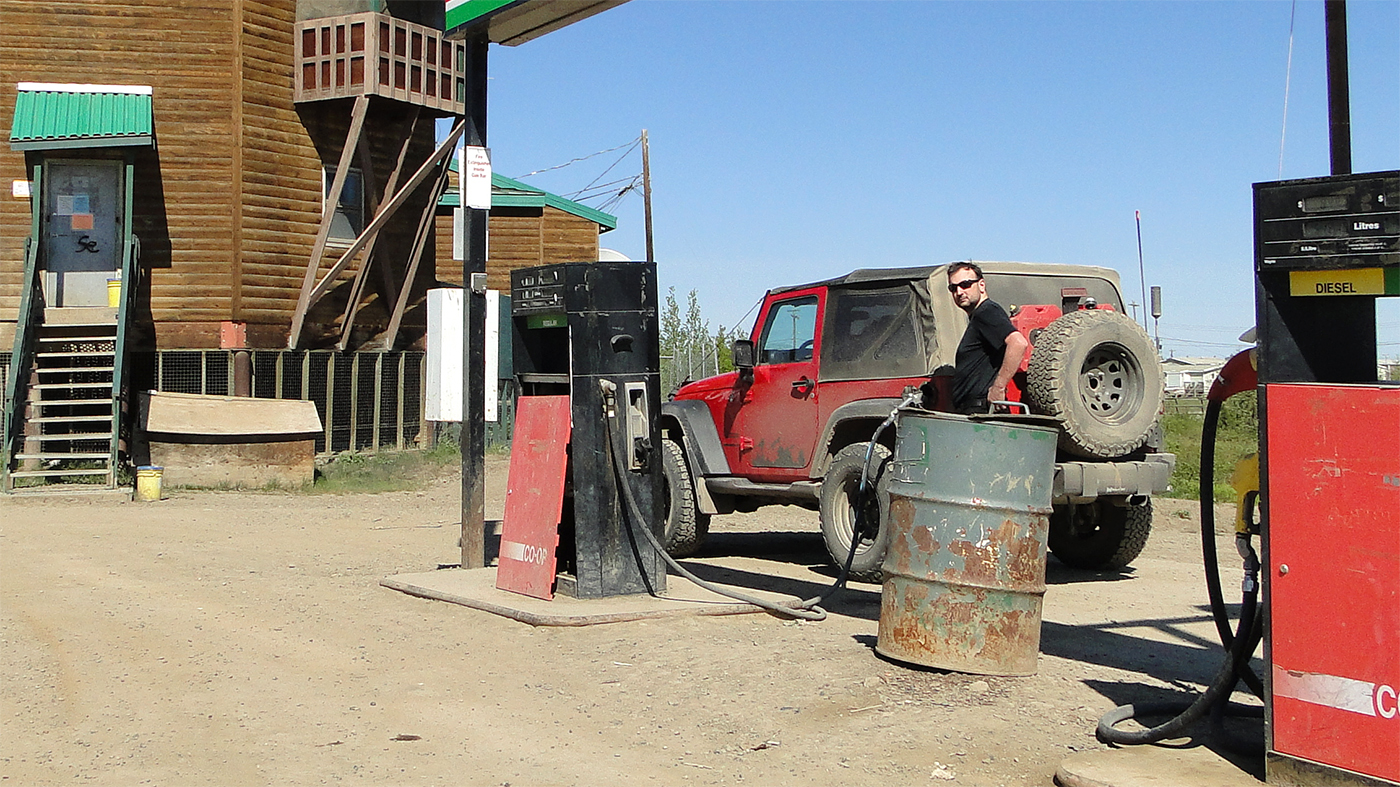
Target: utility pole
646, 193
474, 325
1142, 277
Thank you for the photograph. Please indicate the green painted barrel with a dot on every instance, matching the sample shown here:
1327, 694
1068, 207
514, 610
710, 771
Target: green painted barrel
965, 569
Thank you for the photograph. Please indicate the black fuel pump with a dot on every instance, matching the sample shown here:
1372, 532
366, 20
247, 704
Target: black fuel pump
589, 331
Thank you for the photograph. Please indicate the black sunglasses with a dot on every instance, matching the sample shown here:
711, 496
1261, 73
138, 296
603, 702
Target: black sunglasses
962, 285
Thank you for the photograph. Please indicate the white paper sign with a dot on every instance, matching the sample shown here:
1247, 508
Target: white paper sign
475, 178
20, 189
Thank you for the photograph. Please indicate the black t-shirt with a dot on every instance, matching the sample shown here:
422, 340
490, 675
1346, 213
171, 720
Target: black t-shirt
980, 353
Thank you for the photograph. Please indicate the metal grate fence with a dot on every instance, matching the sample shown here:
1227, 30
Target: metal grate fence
367, 400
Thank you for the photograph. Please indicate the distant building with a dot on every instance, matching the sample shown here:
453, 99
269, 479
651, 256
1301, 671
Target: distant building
1190, 376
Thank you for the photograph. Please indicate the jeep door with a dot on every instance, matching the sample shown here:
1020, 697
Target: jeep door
773, 429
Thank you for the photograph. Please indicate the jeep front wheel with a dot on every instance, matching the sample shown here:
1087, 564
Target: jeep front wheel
686, 527
839, 516
1100, 535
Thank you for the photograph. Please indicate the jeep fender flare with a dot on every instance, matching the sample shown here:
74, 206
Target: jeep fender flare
704, 454
864, 411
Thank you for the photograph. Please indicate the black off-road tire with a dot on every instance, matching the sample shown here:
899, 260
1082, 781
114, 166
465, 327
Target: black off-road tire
838, 514
1099, 536
686, 527
1097, 371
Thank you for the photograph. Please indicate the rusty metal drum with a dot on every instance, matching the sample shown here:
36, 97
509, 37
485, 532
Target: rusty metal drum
968, 518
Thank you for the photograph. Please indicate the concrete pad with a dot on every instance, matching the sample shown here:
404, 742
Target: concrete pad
1156, 766
476, 588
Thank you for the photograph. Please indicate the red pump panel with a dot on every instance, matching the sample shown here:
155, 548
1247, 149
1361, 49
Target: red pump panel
1333, 492
539, 461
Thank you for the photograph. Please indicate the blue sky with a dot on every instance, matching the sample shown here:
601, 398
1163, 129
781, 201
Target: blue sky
795, 141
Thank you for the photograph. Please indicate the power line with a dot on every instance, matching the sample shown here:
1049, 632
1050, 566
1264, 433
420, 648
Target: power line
633, 142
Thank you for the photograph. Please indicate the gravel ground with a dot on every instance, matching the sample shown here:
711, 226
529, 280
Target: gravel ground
240, 639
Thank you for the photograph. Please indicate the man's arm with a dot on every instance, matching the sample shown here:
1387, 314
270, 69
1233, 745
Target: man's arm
1016, 345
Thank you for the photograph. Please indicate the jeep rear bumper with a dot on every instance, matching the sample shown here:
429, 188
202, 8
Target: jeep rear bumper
1080, 482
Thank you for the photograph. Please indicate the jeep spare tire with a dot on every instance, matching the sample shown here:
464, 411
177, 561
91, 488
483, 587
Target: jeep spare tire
840, 493
1098, 372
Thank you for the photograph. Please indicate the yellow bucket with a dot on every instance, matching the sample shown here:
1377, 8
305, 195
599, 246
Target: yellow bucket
114, 293
148, 483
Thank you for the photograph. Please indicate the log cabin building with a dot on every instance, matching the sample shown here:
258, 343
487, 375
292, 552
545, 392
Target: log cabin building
251, 187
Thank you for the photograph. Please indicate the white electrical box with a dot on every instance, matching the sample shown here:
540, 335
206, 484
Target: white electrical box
442, 401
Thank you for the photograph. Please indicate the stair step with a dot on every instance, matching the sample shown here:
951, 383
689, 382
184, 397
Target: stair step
56, 386
75, 316
59, 419
85, 455
75, 437
72, 489
75, 354
72, 369
77, 339
69, 402
56, 473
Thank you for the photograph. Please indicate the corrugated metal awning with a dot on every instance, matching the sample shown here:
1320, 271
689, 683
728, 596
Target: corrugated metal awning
510, 193
49, 116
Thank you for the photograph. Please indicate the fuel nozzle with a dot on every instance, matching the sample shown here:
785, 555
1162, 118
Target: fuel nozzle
1240, 373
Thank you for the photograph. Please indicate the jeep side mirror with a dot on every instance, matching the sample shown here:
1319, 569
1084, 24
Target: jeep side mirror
742, 354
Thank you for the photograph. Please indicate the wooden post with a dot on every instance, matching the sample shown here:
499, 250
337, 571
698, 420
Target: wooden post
352, 304
304, 301
420, 242
646, 193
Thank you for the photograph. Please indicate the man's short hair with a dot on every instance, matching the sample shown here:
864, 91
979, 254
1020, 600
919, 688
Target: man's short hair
964, 266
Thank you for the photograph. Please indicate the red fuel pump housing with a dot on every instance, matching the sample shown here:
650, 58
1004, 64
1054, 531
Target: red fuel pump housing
1333, 466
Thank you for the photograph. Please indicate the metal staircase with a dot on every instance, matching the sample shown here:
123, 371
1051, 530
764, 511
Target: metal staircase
64, 412
71, 409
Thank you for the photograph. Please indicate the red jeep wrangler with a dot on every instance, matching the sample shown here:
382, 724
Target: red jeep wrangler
828, 361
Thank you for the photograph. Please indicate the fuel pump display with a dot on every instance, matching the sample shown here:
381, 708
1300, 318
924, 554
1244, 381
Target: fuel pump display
1325, 248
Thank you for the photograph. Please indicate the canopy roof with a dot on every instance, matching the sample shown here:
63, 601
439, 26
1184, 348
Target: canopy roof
53, 116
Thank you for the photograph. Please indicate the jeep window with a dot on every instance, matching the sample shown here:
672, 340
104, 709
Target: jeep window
871, 334
790, 331
1011, 290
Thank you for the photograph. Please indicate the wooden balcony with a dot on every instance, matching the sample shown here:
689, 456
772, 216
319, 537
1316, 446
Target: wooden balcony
376, 54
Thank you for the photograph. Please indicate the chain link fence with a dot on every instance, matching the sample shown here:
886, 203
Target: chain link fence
367, 401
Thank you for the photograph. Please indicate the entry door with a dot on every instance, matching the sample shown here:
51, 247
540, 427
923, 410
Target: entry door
776, 424
81, 233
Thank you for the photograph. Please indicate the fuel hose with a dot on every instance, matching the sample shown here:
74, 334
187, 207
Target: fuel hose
807, 609
1239, 644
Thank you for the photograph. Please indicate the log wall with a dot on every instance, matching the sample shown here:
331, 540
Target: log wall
229, 202
185, 190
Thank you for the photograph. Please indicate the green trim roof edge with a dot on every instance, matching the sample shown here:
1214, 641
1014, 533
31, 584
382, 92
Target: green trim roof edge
71, 117
511, 193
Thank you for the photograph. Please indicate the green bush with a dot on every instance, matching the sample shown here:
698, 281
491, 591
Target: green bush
1237, 436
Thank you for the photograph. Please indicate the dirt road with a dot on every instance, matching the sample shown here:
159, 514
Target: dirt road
241, 639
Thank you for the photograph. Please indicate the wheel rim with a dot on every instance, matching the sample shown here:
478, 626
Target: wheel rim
1085, 522
1110, 383
846, 517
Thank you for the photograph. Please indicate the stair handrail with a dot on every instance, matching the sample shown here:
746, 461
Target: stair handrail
31, 307
130, 270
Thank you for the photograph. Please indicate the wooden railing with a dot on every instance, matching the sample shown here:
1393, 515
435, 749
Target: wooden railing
377, 54
131, 272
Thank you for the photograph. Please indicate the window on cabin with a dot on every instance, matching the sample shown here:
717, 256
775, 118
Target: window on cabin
349, 219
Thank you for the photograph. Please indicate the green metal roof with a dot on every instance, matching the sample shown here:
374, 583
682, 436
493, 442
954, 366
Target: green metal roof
510, 193
49, 116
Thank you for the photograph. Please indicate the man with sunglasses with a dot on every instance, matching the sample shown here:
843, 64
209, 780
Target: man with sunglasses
991, 348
